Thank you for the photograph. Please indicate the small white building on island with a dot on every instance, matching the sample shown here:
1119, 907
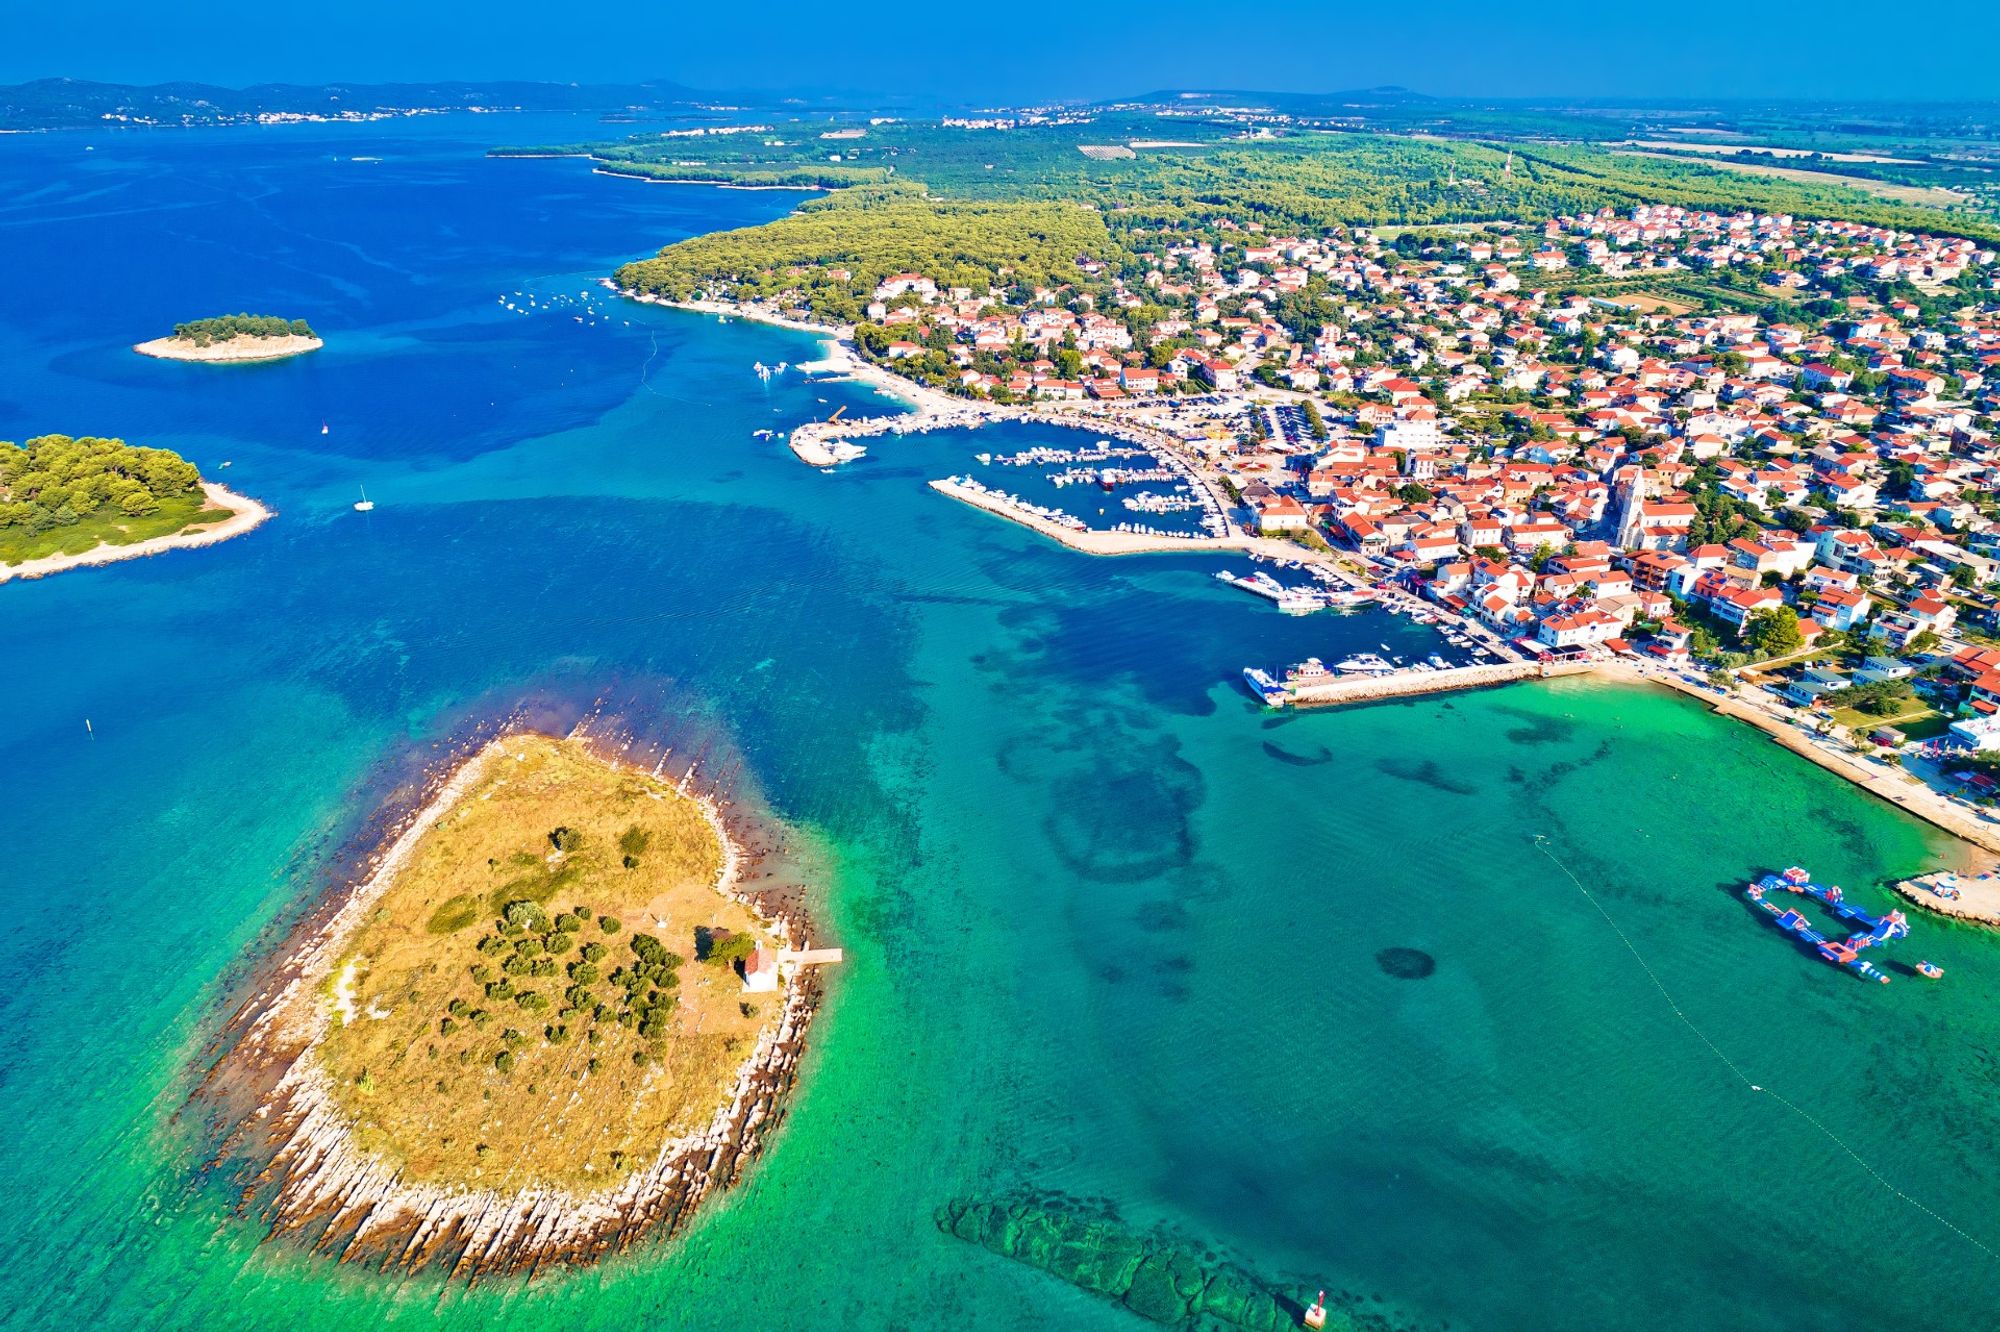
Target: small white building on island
760, 970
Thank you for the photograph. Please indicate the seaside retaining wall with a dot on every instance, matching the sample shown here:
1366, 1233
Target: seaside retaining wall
1366, 689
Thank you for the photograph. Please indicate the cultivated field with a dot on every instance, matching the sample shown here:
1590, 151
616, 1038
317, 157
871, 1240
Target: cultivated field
1768, 150
1912, 194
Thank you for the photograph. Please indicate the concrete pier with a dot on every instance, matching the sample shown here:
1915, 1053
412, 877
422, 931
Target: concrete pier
1406, 684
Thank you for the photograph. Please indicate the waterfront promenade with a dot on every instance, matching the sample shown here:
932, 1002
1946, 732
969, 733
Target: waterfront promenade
1892, 783
931, 410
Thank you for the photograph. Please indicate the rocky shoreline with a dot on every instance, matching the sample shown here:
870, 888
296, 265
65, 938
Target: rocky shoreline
287, 1146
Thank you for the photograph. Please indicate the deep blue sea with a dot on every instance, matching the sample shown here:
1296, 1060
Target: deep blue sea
1112, 930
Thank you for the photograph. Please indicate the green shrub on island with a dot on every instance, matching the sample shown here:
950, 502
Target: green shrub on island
222, 328
454, 915
527, 936
722, 948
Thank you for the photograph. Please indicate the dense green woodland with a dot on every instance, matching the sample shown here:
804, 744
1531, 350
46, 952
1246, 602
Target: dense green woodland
222, 328
874, 233
57, 492
1008, 207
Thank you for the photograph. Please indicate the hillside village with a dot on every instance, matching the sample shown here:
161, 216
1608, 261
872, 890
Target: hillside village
1803, 470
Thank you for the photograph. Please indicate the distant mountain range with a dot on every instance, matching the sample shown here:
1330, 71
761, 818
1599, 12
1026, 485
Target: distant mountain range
1290, 103
76, 103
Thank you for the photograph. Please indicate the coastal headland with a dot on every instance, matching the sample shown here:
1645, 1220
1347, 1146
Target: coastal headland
542, 1024
232, 516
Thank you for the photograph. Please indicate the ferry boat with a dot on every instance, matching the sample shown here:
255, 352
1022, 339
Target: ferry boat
1268, 691
842, 451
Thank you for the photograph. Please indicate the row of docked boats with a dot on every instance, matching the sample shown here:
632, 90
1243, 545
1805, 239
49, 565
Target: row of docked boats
1276, 691
1294, 600
1016, 504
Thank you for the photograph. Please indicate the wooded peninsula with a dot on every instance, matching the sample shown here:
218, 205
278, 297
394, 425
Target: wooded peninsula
1017, 205
64, 496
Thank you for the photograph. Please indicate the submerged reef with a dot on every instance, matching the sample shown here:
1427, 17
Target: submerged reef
1156, 1276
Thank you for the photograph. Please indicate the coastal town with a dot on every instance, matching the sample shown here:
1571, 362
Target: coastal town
1782, 499
816, 605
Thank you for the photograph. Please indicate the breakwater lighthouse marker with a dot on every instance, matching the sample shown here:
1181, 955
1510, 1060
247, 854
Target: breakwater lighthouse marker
1316, 1315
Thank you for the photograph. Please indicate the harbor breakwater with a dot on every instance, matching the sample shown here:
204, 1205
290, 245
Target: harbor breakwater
1402, 684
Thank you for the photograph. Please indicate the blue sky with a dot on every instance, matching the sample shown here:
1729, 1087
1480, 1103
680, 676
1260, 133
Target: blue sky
1697, 48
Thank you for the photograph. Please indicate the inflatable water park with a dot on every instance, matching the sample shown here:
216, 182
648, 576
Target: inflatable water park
1873, 932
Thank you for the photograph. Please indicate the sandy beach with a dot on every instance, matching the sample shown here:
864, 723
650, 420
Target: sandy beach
838, 349
244, 514
236, 351
1981, 839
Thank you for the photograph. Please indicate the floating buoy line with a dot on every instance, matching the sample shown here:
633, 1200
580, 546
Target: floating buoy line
1541, 842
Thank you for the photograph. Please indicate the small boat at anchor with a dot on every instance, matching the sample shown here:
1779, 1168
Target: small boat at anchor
365, 505
1930, 970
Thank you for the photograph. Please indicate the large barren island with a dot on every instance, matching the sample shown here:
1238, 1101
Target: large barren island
542, 1026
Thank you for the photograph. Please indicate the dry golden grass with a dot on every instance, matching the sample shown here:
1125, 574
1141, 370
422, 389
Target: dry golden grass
1915, 194
434, 1099
1645, 302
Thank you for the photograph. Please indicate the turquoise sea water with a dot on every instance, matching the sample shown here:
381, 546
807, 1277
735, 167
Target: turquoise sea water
1112, 930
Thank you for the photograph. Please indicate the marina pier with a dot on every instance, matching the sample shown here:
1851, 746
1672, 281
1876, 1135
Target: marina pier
1333, 690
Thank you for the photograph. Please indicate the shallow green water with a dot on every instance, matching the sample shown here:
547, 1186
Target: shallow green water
1112, 930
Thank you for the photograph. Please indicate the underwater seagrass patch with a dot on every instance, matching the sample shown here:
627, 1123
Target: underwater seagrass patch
1406, 963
